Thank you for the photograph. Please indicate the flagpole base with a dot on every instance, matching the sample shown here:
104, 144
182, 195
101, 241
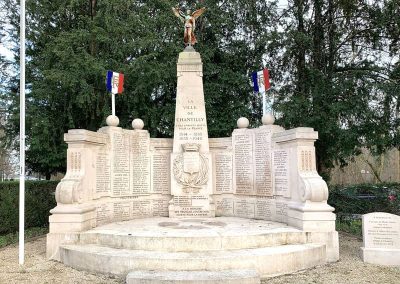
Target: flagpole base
112, 120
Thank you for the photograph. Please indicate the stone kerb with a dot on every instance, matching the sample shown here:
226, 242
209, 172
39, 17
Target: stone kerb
381, 239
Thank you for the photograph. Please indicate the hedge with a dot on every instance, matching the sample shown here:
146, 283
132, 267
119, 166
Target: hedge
39, 199
365, 198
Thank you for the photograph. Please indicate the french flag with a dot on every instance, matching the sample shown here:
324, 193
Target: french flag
261, 81
115, 82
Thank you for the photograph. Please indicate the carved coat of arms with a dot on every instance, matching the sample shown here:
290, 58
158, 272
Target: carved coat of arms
191, 168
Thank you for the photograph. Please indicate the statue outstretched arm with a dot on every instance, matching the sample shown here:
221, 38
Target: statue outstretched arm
178, 13
198, 12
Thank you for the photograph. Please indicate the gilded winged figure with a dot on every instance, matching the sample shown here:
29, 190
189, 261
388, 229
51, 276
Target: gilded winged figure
189, 19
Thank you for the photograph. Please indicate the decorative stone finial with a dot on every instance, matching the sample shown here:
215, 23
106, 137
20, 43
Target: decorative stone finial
268, 119
112, 120
243, 122
137, 124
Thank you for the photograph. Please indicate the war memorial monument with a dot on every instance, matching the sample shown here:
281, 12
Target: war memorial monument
192, 209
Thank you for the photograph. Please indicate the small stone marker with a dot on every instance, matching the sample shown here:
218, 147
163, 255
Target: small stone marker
381, 236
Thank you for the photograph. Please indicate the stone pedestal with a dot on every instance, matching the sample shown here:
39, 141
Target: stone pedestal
191, 162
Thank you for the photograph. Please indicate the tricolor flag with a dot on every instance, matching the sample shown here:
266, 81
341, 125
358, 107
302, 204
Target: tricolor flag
115, 82
261, 81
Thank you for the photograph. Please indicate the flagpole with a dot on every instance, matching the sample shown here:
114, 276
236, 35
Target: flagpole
113, 103
264, 103
21, 247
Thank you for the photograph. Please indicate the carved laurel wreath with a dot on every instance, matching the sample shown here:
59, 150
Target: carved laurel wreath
191, 182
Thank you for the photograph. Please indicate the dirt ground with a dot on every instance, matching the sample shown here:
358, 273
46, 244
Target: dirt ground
350, 269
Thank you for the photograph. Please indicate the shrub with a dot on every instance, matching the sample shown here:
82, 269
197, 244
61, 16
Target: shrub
365, 198
39, 199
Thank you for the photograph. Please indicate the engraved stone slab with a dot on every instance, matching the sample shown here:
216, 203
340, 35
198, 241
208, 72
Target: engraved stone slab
381, 230
103, 171
265, 208
245, 207
243, 149
381, 236
281, 210
223, 172
140, 162
190, 206
120, 170
263, 162
224, 205
281, 172
160, 173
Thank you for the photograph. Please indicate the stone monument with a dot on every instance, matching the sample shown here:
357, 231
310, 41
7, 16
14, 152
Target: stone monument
191, 171
381, 237
192, 208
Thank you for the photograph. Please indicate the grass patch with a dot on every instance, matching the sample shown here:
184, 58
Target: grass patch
353, 227
12, 238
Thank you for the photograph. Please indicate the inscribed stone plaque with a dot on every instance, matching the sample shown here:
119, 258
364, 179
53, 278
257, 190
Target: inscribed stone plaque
120, 164
265, 208
104, 213
381, 230
140, 162
243, 162
103, 172
281, 172
223, 170
223, 205
281, 210
191, 206
122, 211
160, 205
262, 156
244, 207
161, 173
142, 208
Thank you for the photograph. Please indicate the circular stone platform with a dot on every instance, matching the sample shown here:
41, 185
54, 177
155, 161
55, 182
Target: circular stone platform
206, 245
170, 234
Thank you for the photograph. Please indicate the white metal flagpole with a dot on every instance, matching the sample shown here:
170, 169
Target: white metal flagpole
264, 103
22, 137
113, 103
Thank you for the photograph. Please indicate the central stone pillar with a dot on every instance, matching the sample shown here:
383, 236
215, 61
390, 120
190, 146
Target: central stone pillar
191, 171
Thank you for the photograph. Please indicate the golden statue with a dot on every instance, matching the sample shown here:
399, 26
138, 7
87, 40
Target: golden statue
190, 23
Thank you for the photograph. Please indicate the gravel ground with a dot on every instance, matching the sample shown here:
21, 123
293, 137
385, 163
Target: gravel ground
38, 270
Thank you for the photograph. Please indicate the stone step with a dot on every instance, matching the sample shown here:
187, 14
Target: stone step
194, 277
177, 235
267, 261
193, 243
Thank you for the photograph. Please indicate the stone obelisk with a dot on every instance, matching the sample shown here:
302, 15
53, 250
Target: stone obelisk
191, 164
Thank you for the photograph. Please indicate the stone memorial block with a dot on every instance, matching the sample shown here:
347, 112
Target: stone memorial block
263, 162
140, 162
265, 208
104, 213
243, 161
223, 172
281, 210
103, 171
281, 172
160, 168
191, 161
381, 237
244, 206
120, 168
224, 205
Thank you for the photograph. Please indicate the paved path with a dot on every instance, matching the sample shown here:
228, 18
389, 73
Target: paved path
38, 270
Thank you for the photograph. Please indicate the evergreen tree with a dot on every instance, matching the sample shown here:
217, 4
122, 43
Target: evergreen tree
71, 44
